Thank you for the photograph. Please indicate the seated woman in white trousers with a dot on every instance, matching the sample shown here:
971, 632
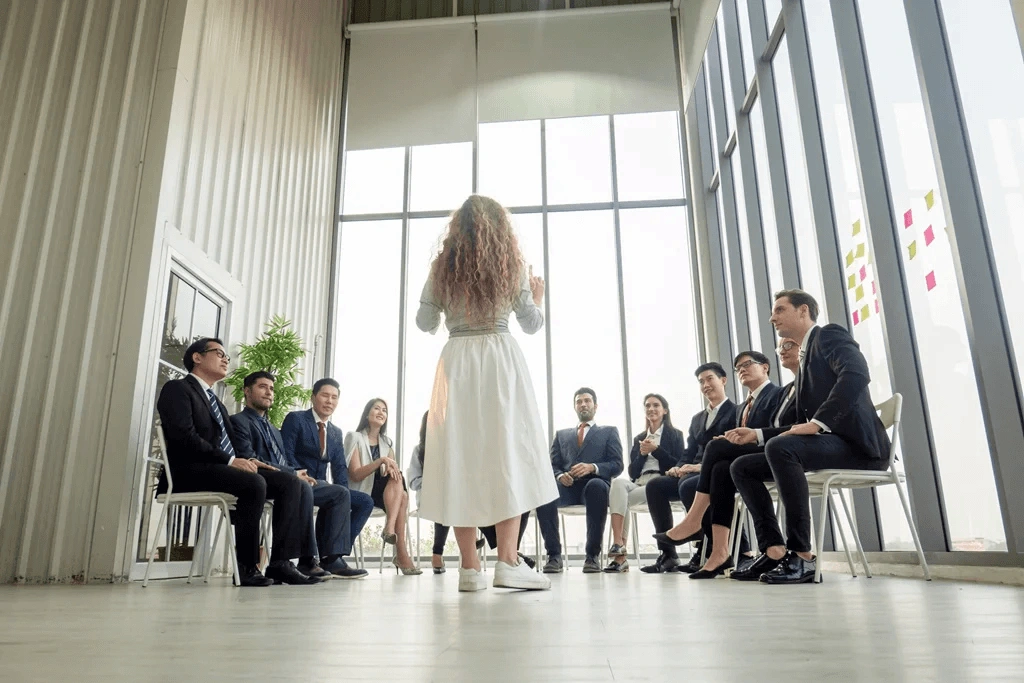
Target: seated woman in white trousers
655, 451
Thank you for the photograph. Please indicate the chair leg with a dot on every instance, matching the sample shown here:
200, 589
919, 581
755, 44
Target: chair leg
537, 540
213, 544
819, 536
734, 528
231, 544
565, 541
156, 542
913, 530
842, 534
417, 538
199, 549
636, 538
359, 551
856, 534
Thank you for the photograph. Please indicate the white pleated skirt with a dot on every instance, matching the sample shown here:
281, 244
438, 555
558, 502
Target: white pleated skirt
486, 454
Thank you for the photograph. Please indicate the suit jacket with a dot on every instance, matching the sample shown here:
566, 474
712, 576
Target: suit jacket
785, 411
701, 436
302, 447
832, 388
247, 430
764, 407
602, 447
667, 453
191, 433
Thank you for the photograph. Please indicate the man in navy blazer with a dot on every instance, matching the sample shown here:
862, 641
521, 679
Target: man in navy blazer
680, 482
326, 537
312, 443
837, 428
584, 460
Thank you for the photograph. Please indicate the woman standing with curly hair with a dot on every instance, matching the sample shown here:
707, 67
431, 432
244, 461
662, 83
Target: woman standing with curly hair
489, 461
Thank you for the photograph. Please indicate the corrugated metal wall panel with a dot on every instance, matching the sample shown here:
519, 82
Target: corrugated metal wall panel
240, 165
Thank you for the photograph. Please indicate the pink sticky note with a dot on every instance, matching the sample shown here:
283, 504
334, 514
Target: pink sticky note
908, 218
876, 306
856, 318
863, 273
874, 289
929, 280
929, 235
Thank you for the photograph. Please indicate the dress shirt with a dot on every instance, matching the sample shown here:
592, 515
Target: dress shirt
316, 419
651, 463
712, 414
803, 355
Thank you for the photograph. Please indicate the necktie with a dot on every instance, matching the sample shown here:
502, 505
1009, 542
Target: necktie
746, 410
225, 442
321, 427
579, 434
264, 425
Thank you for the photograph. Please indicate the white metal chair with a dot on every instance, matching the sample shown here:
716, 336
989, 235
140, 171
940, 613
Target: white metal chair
634, 510
825, 482
210, 500
573, 511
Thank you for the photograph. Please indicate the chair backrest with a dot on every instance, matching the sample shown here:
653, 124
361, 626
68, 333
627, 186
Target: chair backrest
891, 412
158, 454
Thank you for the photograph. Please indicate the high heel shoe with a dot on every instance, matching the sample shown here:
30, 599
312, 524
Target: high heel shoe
407, 571
665, 538
439, 570
388, 538
712, 573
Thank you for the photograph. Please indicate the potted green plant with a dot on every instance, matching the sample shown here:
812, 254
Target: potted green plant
278, 351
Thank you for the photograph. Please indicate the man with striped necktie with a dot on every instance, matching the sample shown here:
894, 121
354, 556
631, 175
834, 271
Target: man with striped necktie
205, 454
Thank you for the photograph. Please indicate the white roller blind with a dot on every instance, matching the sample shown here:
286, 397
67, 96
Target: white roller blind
411, 86
552, 66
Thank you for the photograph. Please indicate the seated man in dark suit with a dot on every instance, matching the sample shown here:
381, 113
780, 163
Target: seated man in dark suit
328, 537
204, 453
837, 428
785, 415
714, 420
584, 459
312, 443
715, 489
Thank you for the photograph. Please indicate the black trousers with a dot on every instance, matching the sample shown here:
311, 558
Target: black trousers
785, 460
252, 492
489, 532
661, 491
716, 479
591, 492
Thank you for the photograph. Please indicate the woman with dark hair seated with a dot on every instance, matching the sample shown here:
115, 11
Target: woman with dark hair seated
414, 475
373, 470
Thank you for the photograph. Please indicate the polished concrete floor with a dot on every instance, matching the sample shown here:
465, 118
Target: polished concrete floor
631, 627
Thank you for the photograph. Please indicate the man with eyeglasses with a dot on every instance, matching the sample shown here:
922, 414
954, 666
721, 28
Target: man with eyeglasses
715, 489
204, 453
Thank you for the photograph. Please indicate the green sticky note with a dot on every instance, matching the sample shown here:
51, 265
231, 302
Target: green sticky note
929, 199
849, 259
856, 228
851, 282
860, 292
860, 250
912, 249
865, 312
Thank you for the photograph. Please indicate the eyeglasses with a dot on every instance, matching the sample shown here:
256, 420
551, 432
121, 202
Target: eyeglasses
786, 346
743, 366
220, 353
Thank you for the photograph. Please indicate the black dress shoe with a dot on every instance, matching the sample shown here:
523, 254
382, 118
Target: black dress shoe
314, 569
712, 573
663, 564
690, 567
792, 569
341, 569
251, 576
590, 566
284, 571
753, 571
530, 562
665, 538
554, 565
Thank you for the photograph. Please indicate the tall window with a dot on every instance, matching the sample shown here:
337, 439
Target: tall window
614, 203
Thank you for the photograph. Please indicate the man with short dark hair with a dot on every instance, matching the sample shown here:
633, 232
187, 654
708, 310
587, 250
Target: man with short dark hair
328, 538
312, 443
837, 428
204, 453
679, 483
584, 459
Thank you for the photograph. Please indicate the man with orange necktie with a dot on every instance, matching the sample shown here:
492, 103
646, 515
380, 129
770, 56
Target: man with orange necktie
585, 459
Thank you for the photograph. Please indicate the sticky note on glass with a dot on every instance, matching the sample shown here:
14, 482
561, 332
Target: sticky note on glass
874, 290
849, 259
856, 317
860, 250
929, 199
929, 235
865, 312
863, 273
856, 228
929, 280
908, 218
876, 306
860, 292
912, 249
851, 282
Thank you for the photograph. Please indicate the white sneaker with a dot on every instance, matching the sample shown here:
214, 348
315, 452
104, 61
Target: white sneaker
519, 576
471, 580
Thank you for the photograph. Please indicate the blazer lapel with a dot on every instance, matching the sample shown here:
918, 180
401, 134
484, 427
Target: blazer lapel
801, 375
722, 409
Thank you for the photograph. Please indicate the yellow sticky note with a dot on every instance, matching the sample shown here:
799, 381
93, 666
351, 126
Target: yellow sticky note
929, 199
912, 249
865, 312
860, 250
860, 292
851, 282
856, 228
849, 259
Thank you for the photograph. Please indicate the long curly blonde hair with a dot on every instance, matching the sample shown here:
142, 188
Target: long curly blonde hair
479, 266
